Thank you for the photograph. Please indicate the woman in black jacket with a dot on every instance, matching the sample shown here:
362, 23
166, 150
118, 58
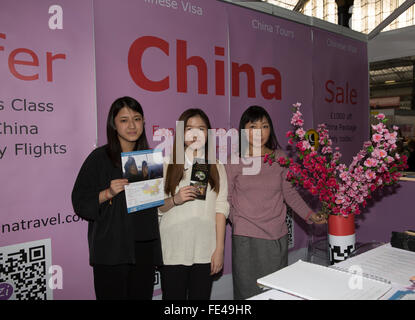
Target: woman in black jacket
124, 248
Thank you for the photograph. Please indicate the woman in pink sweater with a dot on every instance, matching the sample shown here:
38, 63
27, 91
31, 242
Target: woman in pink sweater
257, 206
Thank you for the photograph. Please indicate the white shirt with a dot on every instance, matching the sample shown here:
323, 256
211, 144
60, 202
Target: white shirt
188, 231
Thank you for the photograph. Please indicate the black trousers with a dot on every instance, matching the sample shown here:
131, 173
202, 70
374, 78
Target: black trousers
179, 282
127, 281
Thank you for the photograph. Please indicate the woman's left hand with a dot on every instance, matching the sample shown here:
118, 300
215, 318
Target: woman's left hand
216, 263
318, 218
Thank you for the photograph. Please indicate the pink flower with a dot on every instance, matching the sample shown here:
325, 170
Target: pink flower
339, 201
367, 144
393, 137
379, 153
380, 116
370, 162
378, 128
360, 199
299, 122
395, 128
297, 119
370, 175
300, 132
326, 150
303, 145
377, 138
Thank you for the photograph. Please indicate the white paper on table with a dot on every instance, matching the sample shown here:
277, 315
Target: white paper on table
274, 295
385, 262
315, 282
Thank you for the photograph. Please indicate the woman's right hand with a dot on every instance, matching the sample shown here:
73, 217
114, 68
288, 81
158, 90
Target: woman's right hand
185, 194
117, 186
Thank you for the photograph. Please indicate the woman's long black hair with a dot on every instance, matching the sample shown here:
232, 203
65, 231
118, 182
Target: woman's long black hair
114, 146
252, 114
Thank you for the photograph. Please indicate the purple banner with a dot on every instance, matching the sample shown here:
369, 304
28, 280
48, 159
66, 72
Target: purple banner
271, 67
340, 90
170, 56
47, 127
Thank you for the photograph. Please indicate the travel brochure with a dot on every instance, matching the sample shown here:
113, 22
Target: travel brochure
144, 171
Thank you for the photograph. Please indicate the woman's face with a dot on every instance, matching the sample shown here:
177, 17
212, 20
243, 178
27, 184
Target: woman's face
195, 133
262, 125
129, 125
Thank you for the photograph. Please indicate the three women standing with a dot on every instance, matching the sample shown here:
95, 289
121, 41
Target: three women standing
125, 248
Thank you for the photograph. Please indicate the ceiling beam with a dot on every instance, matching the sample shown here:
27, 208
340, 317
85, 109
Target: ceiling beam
396, 13
387, 64
299, 7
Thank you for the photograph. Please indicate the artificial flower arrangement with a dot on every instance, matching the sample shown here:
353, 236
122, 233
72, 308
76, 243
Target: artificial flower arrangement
341, 189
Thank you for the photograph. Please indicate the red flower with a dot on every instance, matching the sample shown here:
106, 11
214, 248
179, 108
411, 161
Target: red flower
281, 161
290, 134
269, 158
332, 182
313, 190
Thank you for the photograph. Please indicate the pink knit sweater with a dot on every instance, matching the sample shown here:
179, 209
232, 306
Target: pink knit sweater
257, 207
